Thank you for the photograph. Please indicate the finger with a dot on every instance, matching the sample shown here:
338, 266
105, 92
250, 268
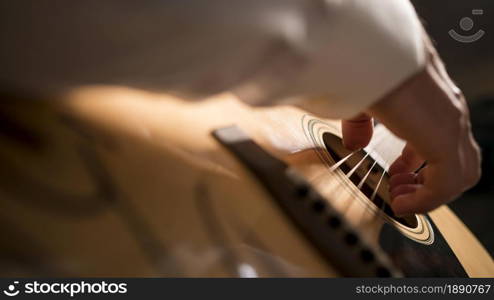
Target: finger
427, 196
357, 132
403, 189
402, 178
431, 127
420, 176
417, 200
408, 161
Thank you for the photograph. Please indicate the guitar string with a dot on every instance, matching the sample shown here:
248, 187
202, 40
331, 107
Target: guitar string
364, 179
350, 173
373, 148
385, 170
340, 162
343, 160
376, 189
337, 164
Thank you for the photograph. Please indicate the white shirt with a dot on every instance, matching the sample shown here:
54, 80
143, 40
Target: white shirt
345, 53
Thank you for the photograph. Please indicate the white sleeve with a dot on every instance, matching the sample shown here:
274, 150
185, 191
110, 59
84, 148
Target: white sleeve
347, 53
358, 51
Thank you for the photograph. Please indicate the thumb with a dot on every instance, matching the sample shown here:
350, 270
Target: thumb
357, 131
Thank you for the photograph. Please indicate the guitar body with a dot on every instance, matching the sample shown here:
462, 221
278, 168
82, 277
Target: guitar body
112, 181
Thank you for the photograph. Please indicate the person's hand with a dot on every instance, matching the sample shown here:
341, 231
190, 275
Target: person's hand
430, 113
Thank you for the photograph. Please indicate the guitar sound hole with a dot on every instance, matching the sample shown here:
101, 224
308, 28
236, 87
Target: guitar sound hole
366, 175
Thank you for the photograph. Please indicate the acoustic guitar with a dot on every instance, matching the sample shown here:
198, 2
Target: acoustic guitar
113, 181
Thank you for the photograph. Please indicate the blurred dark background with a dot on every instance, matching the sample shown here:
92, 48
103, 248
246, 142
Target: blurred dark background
471, 65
